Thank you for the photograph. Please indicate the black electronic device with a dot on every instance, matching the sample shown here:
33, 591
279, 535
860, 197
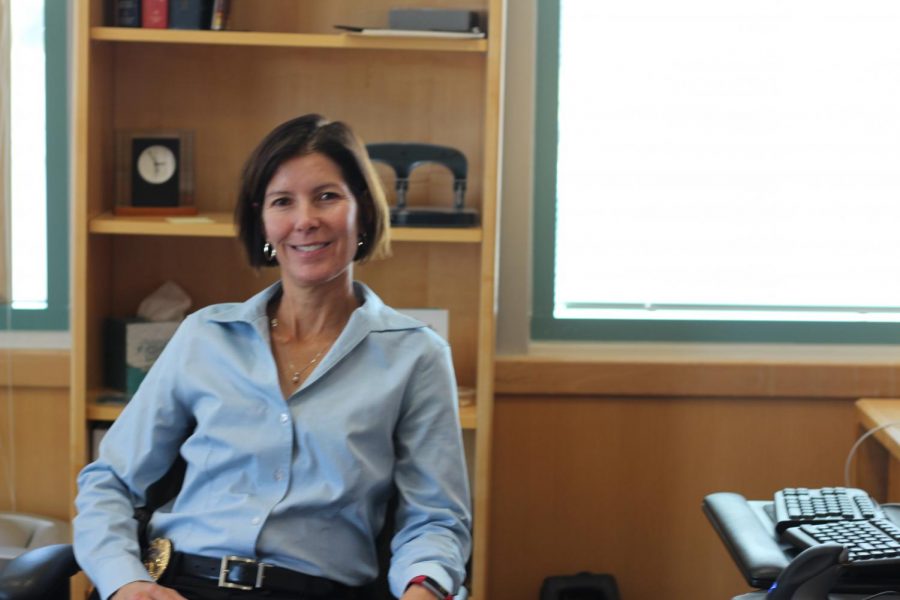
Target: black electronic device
747, 529
580, 586
435, 19
798, 506
403, 158
870, 543
811, 575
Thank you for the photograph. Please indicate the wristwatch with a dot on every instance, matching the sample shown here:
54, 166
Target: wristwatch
432, 586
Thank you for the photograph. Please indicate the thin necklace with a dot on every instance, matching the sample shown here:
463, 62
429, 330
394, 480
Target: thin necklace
296, 374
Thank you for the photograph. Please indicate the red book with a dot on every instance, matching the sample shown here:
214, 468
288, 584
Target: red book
155, 14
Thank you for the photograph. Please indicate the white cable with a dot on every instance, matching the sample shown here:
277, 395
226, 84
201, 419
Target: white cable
856, 445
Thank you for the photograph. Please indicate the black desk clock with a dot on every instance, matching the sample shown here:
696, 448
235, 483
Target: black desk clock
154, 172
403, 158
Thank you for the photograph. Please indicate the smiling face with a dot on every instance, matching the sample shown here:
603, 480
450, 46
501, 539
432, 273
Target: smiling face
311, 218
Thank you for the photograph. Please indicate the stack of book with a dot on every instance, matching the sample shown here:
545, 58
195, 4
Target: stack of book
171, 14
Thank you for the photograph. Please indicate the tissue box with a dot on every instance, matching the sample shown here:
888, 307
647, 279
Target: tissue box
131, 346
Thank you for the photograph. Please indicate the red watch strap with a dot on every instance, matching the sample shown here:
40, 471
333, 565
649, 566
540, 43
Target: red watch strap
432, 586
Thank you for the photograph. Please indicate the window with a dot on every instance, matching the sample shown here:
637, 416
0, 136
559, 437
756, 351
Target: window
718, 170
34, 165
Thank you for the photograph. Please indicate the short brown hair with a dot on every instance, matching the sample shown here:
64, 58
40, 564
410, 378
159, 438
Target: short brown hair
301, 136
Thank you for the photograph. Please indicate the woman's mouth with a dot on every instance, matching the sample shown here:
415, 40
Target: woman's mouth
307, 247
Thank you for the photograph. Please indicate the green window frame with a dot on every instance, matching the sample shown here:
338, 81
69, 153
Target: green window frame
544, 326
55, 317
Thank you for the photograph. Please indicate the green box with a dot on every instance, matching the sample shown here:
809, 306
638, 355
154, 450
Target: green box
131, 346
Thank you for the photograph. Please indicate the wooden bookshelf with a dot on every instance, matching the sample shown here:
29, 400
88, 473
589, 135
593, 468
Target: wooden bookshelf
280, 59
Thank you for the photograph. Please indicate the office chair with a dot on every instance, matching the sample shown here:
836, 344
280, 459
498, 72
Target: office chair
33, 553
43, 573
20, 532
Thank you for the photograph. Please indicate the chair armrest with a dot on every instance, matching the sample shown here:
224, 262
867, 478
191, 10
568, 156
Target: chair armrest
40, 573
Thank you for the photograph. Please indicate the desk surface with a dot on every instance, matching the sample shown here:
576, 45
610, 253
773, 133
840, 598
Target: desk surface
878, 412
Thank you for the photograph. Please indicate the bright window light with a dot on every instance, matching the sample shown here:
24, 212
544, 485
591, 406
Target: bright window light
729, 160
28, 206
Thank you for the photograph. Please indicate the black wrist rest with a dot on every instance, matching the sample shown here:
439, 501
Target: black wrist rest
752, 547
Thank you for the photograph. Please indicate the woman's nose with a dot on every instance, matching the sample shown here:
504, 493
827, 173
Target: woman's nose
306, 215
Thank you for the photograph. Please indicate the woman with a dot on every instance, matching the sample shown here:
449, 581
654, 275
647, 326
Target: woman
298, 413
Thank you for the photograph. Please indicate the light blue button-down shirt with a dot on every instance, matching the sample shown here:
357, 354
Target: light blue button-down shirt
300, 483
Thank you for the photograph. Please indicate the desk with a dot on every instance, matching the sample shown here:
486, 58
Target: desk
878, 459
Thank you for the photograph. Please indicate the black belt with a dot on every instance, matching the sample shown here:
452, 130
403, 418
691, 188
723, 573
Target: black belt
240, 573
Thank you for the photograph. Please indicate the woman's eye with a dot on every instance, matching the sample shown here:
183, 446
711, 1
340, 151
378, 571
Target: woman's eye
328, 196
283, 201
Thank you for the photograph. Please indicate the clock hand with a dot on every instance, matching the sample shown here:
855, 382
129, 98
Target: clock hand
156, 163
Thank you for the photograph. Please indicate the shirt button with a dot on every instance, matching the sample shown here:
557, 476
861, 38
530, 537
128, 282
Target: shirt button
255, 521
279, 474
285, 418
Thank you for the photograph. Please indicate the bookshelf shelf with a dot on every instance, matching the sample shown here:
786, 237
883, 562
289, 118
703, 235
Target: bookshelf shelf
467, 416
286, 40
208, 224
97, 411
220, 224
436, 234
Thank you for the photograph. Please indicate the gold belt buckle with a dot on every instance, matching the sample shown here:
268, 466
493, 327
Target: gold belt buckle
157, 556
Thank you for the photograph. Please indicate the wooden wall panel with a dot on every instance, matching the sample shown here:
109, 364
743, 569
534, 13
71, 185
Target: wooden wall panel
614, 484
775, 377
34, 426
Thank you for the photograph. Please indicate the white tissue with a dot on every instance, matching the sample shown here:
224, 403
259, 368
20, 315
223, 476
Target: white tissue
168, 303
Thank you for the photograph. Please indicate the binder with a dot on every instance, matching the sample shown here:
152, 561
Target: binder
190, 14
127, 13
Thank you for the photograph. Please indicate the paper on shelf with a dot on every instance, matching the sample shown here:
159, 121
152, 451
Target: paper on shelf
189, 220
459, 35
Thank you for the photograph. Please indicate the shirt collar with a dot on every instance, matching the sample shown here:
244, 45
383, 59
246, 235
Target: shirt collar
372, 315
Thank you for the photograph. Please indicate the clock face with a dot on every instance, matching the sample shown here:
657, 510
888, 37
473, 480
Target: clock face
156, 164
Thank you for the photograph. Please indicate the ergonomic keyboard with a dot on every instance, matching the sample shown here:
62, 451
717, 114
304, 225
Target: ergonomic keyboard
800, 506
874, 542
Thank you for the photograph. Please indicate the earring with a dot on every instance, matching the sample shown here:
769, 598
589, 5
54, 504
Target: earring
269, 251
362, 240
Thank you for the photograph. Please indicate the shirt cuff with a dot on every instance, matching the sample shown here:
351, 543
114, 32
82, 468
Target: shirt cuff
113, 574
